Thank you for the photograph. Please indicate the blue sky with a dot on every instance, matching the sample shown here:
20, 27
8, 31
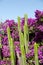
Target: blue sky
10, 9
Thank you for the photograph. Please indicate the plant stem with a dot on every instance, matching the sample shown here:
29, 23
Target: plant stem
21, 37
0, 48
26, 34
11, 46
36, 54
22, 49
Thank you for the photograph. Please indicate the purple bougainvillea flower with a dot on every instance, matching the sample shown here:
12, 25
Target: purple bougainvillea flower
5, 62
16, 43
5, 40
1, 62
41, 61
40, 27
40, 52
5, 51
38, 37
37, 14
17, 49
0, 35
10, 22
31, 21
30, 54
